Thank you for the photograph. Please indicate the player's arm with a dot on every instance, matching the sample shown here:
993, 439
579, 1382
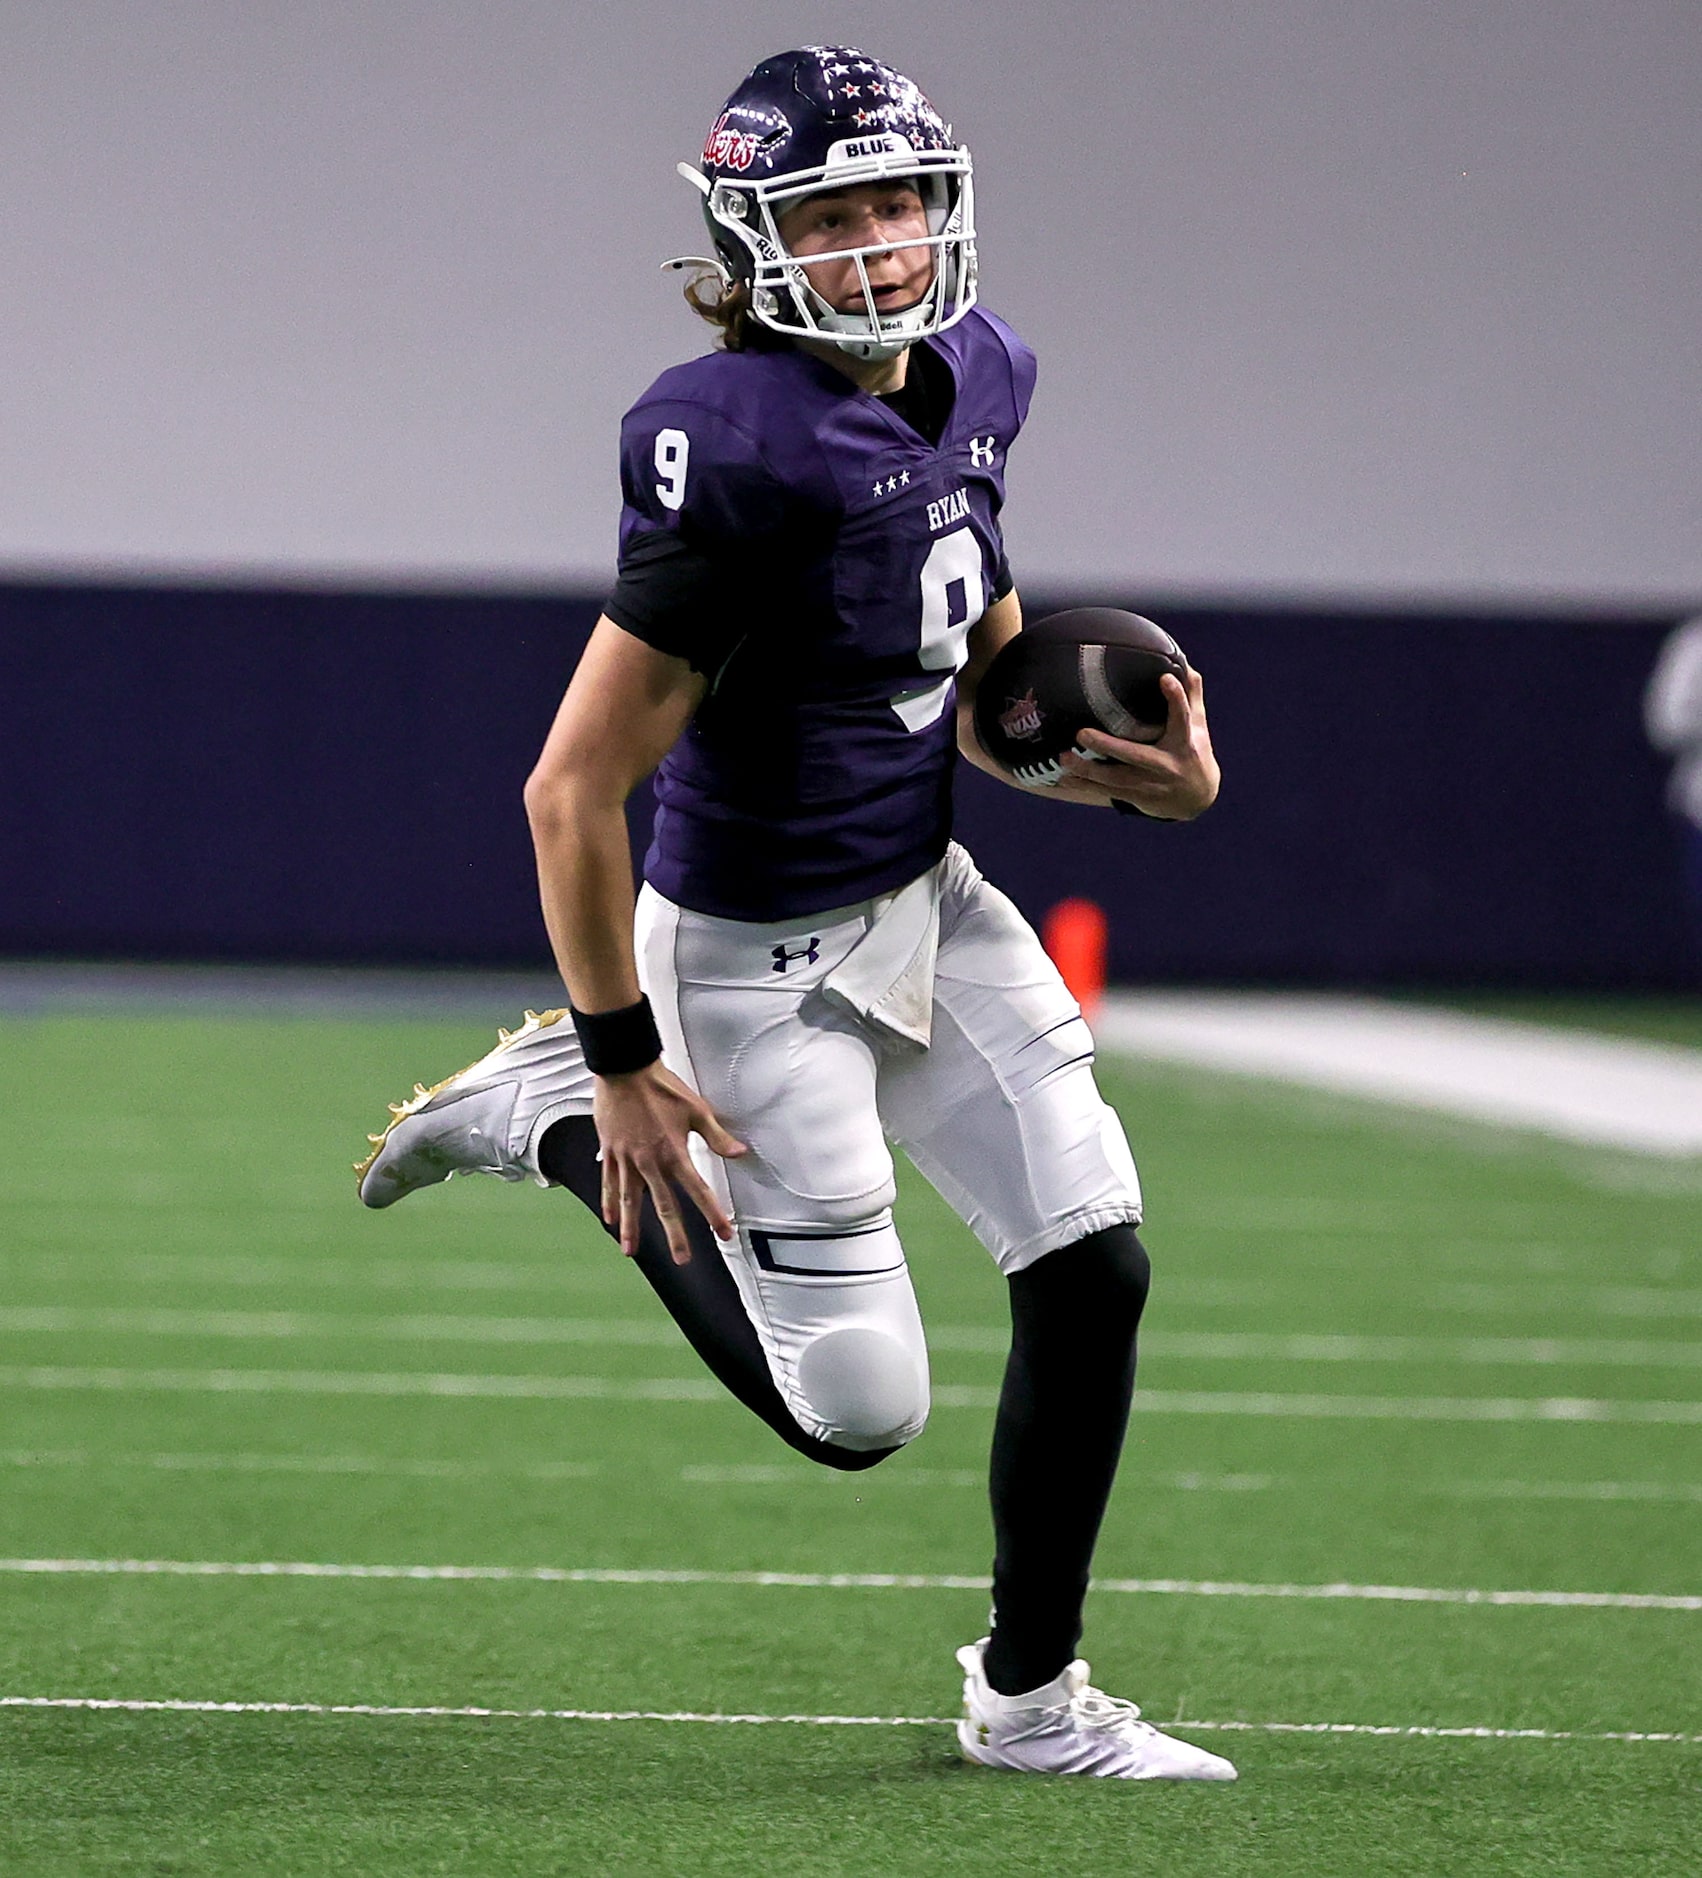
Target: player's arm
1173, 780
625, 708
1001, 623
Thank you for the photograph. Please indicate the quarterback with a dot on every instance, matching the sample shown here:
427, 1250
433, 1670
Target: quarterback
811, 579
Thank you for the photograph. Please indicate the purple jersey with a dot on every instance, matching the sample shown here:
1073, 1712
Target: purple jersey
855, 556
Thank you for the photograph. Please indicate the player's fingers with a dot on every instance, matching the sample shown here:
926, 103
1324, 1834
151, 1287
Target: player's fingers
610, 1183
701, 1195
1180, 720
631, 1210
1136, 756
720, 1139
666, 1203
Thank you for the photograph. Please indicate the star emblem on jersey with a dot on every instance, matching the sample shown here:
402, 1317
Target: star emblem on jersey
981, 451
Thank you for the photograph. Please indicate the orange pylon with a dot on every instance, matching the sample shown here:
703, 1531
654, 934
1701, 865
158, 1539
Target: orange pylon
1074, 937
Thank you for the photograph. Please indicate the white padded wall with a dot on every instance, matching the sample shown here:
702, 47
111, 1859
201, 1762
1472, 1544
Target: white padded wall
1331, 298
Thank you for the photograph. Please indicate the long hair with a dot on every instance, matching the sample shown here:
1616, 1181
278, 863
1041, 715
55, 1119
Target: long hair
727, 307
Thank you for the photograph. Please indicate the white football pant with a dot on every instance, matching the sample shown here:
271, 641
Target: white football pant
1000, 1113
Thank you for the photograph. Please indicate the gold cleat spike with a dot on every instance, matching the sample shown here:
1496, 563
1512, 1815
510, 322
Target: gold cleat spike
399, 1111
504, 1036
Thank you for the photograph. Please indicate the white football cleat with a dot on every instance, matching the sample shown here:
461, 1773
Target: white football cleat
1069, 1727
486, 1119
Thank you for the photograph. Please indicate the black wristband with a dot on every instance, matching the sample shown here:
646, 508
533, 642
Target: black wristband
1124, 807
618, 1042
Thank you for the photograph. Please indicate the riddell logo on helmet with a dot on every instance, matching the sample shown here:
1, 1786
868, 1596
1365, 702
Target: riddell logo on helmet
1020, 719
729, 149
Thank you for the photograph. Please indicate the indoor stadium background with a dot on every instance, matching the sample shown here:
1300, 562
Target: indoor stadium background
1369, 367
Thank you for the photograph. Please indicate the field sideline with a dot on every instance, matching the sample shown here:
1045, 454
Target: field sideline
418, 1543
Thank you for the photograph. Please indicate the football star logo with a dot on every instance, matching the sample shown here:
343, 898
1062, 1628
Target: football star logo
809, 952
1020, 718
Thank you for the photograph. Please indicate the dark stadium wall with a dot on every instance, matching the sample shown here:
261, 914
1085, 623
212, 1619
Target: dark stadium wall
238, 773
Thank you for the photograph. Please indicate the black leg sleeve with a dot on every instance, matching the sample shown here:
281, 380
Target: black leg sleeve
1062, 1416
701, 1297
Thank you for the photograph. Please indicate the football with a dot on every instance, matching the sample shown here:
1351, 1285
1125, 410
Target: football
1090, 668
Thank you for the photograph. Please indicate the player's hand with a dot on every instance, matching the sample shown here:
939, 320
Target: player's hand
1175, 778
644, 1121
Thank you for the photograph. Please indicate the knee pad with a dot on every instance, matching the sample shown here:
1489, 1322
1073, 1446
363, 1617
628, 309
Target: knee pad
865, 1387
839, 1314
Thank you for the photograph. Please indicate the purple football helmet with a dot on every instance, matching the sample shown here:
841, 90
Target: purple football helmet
827, 118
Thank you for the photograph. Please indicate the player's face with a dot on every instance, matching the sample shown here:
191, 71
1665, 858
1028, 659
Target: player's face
868, 215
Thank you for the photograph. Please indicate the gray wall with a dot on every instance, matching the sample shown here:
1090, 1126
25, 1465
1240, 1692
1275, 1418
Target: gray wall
1333, 297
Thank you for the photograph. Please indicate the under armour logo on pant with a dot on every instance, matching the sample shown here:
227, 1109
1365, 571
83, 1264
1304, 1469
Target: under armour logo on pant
809, 952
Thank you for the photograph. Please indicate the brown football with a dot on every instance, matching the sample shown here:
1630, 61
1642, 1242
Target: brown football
1090, 668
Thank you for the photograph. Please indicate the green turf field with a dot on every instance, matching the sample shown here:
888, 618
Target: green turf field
212, 1354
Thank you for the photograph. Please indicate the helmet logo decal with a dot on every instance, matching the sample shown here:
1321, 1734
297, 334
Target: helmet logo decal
729, 148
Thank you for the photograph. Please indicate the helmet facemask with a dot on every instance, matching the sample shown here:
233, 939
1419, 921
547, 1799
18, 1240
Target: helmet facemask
743, 218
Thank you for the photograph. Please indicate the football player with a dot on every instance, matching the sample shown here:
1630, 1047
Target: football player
811, 580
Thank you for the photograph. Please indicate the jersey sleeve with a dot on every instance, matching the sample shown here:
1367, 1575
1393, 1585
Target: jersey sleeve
1024, 369
699, 504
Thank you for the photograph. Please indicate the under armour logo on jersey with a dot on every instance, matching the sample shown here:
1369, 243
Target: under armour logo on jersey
981, 451
810, 951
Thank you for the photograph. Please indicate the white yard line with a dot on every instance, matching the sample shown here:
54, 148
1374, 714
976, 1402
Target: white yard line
765, 1474
793, 1475
373, 1383
360, 1464
651, 1333
412, 1327
1575, 1085
1538, 1295
1413, 1408
1566, 1352
309, 1272
1679, 1490
834, 1581
451, 1387
434, 1712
